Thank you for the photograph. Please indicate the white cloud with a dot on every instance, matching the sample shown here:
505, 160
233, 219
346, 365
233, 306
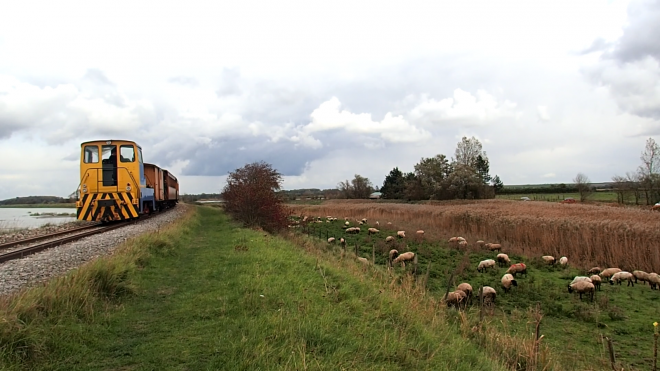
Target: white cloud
542, 112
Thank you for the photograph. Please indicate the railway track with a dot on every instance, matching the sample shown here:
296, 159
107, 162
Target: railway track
53, 239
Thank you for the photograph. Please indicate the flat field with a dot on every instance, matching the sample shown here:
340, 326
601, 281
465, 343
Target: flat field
557, 197
589, 235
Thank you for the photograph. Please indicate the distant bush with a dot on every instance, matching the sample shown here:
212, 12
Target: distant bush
250, 197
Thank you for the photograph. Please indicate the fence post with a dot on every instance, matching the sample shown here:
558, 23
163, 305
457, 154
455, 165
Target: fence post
610, 347
451, 277
481, 304
373, 254
356, 249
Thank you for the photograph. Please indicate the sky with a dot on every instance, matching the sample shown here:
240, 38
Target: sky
326, 90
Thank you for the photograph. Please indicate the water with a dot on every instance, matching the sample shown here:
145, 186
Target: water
20, 218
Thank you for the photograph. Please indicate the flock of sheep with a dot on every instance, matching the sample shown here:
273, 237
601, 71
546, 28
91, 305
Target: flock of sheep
581, 285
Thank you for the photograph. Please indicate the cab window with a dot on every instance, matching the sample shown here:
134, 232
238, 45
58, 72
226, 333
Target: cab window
91, 154
140, 154
127, 154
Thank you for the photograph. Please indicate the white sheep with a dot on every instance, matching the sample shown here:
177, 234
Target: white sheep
503, 260
607, 273
549, 259
563, 260
420, 233
485, 264
456, 298
517, 268
347, 223
641, 276
389, 239
401, 234
621, 276
331, 240
489, 294
453, 240
364, 220
462, 244
460, 239
342, 242
581, 278
595, 279
353, 230
582, 287
508, 281
654, 280
372, 231
467, 289
403, 258
364, 261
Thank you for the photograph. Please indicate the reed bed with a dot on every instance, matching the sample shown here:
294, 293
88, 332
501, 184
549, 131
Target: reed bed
589, 235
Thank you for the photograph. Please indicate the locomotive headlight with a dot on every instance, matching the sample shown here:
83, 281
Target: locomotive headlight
84, 188
128, 188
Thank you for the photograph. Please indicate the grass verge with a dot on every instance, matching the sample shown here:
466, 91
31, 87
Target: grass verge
210, 295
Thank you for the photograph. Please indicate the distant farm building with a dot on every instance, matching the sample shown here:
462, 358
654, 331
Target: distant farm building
375, 195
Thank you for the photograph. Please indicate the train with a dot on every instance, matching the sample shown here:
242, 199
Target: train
115, 183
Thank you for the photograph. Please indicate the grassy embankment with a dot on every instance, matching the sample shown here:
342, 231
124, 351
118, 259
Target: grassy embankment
588, 235
209, 295
557, 197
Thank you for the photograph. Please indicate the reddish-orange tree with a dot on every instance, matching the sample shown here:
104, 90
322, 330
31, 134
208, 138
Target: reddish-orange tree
250, 197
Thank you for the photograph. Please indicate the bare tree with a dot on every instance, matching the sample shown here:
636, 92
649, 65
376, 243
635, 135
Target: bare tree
582, 184
467, 152
648, 171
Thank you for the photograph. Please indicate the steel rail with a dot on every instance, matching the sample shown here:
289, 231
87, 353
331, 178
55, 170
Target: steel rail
45, 237
18, 254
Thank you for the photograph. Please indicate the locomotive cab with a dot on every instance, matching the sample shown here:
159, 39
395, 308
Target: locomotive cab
112, 182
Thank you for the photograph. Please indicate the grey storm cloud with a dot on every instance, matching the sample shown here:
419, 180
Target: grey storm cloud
229, 154
95, 84
640, 38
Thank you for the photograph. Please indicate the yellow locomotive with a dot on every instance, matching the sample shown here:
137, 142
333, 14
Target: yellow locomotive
115, 183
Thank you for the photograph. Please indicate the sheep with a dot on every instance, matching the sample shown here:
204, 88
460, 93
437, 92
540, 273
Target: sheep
364, 261
467, 289
389, 239
494, 247
581, 278
347, 223
607, 273
389, 224
403, 258
462, 244
595, 279
489, 294
331, 240
393, 255
641, 276
456, 298
453, 240
484, 264
354, 230
549, 259
420, 233
563, 260
364, 220
517, 268
377, 224
508, 281
372, 231
460, 239
401, 234
654, 280
503, 260
594, 270
620, 276
582, 287
480, 243
342, 242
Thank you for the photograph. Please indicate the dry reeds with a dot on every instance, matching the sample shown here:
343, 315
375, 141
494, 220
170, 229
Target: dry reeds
588, 234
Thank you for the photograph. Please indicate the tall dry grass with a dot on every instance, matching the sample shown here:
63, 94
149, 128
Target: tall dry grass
589, 235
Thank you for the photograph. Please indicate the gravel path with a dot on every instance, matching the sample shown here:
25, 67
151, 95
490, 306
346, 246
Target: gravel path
40, 267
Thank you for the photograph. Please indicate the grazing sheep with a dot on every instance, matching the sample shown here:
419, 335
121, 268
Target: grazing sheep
403, 258
641, 276
462, 244
489, 295
456, 299
347, 223
484, 264
389, 224
595, 279
467, 289
389, 239
494, 247
508, 281
331, 240
594, 270
372, 231
480, 243
342, 242
393, 255
459, 239
563, 260
353, 230
364, 220
364, 261
453, 240
583, 287
621, 276
607, 273
549, 259
580, 278
420, 233
503, 260
377, 224
654, 281
517, 268
401, 234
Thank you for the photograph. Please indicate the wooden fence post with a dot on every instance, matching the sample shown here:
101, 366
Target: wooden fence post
610, 347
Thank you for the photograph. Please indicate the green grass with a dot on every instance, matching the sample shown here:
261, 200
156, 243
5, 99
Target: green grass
211, 295
573, 329
39, 206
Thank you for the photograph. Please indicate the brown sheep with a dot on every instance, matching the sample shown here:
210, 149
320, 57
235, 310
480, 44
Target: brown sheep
641, 276
456, 299
503, 260
372, 231
595, 279
583, 287
403, 258
549, 259
467, 289
494, 247
480, 243
594, 270
609, 272
389, 239
654, 280
394, 253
